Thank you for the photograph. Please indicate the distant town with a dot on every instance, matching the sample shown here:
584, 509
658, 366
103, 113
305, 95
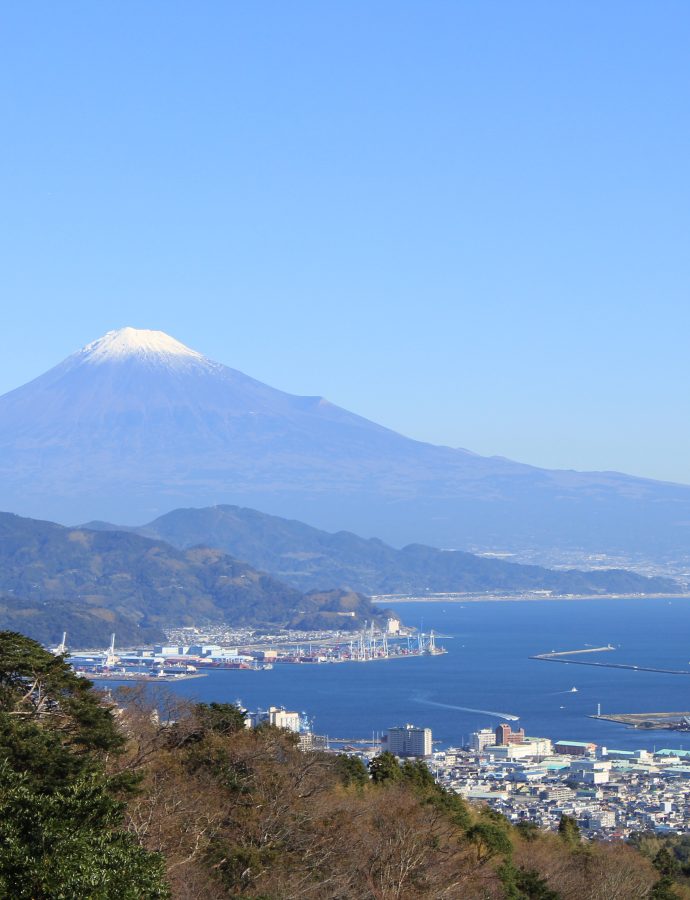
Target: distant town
612, 793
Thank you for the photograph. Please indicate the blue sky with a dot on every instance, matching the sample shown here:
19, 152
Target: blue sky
467, 221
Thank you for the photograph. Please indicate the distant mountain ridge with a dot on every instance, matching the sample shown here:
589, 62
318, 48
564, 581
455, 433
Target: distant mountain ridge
308, 558
137, 424
94, 582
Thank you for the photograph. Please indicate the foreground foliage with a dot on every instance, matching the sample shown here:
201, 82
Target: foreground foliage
61, 813
246, 813
70, 843
184, 801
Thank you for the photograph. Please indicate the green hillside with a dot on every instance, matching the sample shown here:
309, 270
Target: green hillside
91, 583
308, 558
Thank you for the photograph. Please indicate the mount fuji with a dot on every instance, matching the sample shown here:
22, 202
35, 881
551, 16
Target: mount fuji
136, 424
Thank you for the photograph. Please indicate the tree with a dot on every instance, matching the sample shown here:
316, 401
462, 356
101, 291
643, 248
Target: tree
490, 839
53, 726
663, 890
351, 770
68, 844
667, 866
221, 718
61, 818
524, 884
665, 863
528, 830
452, 806
417, 773
569, 830
385, 768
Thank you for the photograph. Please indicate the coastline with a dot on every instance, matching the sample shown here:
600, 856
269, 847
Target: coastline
521, 598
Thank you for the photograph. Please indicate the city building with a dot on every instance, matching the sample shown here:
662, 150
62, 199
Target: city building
590, 771
168, 650
264, 655
612, 794
310, 742
601, 820
525, 749
505, 735
485, 737
407, 740
210, 650
274, 715
575, 748
393, 626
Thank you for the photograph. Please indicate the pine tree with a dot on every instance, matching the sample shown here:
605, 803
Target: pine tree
61, 822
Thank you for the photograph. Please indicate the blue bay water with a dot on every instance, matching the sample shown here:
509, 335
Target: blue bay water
488, 670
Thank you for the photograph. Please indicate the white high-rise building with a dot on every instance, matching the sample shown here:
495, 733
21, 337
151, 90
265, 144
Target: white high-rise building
393, 625
407, 740
281, 718
485, 737
274, 715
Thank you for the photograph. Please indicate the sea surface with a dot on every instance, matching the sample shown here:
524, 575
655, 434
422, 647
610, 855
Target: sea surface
487, 675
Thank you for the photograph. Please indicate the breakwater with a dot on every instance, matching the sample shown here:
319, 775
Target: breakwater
654, 721
565, 656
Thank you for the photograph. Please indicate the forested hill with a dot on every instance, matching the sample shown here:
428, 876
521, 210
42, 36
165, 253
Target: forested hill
308, 558
91, 583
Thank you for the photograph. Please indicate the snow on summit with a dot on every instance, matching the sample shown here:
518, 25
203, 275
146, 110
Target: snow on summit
141, 343
136, 423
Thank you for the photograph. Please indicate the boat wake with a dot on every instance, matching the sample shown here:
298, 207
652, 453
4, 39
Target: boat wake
484, 712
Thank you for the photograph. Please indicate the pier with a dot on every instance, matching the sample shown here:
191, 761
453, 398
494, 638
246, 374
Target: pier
565, 656
555, 653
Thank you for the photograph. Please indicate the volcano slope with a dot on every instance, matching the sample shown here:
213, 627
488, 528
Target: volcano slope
136, 424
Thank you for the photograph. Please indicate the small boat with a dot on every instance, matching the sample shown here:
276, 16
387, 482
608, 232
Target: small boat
573, 690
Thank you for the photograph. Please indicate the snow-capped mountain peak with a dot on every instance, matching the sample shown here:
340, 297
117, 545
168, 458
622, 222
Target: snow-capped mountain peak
143, 343
137, 423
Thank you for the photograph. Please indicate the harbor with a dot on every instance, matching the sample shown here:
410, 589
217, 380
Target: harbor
182, 661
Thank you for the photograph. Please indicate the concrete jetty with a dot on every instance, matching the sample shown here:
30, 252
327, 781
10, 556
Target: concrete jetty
565, 656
